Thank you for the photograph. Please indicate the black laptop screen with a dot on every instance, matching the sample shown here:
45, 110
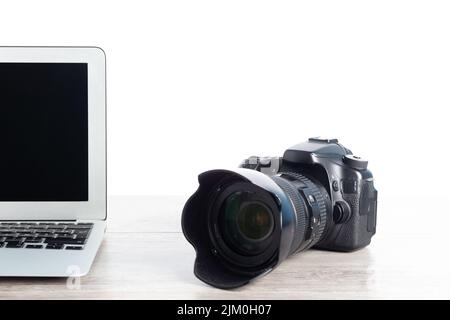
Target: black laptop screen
43, 132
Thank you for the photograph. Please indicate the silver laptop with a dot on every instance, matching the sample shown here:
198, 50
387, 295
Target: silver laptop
52, 160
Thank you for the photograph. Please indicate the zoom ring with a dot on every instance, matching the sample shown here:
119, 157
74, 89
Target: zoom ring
321, 210
299, 208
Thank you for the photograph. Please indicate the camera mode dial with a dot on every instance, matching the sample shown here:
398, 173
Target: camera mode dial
355, 162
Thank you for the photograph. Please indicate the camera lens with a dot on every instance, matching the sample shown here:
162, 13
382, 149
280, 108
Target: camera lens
245, 223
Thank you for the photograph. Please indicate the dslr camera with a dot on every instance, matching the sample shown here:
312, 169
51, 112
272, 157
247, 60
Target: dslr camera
243, 223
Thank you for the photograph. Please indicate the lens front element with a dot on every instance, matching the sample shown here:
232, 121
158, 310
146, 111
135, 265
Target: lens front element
254, 221
246, 223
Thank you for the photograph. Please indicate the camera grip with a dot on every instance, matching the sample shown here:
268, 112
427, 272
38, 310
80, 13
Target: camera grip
358, 231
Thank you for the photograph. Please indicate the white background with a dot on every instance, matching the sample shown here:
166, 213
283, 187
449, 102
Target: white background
196, 85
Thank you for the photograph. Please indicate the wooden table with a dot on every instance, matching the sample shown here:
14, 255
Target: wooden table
145, 256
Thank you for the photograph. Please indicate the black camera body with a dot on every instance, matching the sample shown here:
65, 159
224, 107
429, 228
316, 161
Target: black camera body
348, 183
245, 222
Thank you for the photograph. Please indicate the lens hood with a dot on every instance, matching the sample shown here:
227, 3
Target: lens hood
209, 264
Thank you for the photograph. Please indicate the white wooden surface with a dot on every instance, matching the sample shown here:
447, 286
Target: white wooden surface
145, 256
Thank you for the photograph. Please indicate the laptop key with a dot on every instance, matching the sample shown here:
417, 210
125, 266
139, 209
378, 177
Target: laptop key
54, 246
20, 229
14, 244
33, 240
13, 239
39, 227
8, 235
79, 231
79, 227
74, 248
64, 233
45, 235
26, 235
62, 238
34, 246
65, 241
56, 227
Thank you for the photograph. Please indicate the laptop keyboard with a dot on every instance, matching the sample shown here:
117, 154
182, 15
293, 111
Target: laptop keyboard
44, 235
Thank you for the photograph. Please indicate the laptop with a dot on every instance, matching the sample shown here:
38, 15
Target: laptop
52, 160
